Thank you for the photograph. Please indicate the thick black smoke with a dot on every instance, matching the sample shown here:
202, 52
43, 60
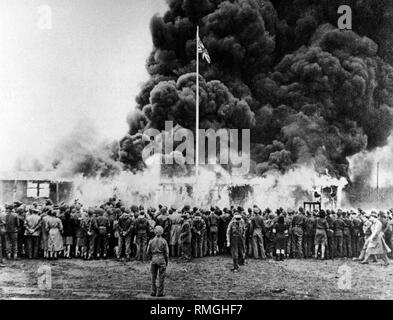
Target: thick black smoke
309, 92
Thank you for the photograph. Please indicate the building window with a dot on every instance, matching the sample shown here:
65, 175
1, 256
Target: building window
37, 189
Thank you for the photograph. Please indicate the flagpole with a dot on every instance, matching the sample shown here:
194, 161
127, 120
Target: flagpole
197, 111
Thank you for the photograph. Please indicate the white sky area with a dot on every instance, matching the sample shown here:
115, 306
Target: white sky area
88, 66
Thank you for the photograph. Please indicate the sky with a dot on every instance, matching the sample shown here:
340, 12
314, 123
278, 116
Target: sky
68, 62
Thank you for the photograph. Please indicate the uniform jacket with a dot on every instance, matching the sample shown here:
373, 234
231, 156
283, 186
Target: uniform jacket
11, 222
33, 225
158, 250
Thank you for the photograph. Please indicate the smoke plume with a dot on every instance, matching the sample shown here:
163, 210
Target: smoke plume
311, 94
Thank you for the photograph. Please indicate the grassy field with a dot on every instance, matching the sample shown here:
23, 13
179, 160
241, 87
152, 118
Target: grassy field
206, 278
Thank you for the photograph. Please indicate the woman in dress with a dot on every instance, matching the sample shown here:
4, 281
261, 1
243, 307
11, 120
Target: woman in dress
376, 244
321, 227
55, 240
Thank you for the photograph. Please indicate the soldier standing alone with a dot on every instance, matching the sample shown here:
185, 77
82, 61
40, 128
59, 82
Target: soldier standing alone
159, 251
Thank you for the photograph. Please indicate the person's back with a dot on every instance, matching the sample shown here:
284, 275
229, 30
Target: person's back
159, 251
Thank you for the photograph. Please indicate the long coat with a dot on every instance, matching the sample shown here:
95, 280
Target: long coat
376, 242
55, 240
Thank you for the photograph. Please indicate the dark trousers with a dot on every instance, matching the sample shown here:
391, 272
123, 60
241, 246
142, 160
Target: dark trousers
355, 245
11, 239
157, 270
141, 244
32, 244
338, 239
198, 246
186, 250
213, 242
308, 243
297, 242
330, 253
2, 245
237, 251
124, 241
257, 244
91, 239
347, 245
102, 245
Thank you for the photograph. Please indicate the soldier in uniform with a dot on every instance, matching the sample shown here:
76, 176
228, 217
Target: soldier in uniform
309, 233
176, 221
347, 232
357, 234
2, 235
163, 221
142, 229
205, 233
224, 220
338, 227
213, 232
11, 228
235, 240
257, 230
89, 224
298, 223
103, 225
32, 233
186, 237
330, 252
159, 252
124, 228
198, 227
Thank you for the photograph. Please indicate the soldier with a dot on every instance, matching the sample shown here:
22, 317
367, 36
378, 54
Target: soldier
81, 235
44, 234
338, 228
198, 227
213, 232
176, 221
257, 230
69, 229
280, 230
289, 242
235, 240
159, 252
321, 227
186, 237
103, 225
11, 228
89, 224
163, 221
330, 252
142, 229
347, 232
124, 227
205, 233
309, 233
298, 222
2, 234
224, 220
269, 235
20, 211
357, 234
32, 233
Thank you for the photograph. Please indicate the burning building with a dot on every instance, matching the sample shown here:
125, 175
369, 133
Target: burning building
28, 187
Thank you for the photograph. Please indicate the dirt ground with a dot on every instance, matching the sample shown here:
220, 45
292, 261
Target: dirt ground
206, 278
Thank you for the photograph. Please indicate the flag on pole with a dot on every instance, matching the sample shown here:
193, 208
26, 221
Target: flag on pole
203, 50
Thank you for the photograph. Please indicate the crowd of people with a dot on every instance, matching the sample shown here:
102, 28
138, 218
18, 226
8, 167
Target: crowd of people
113, 230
